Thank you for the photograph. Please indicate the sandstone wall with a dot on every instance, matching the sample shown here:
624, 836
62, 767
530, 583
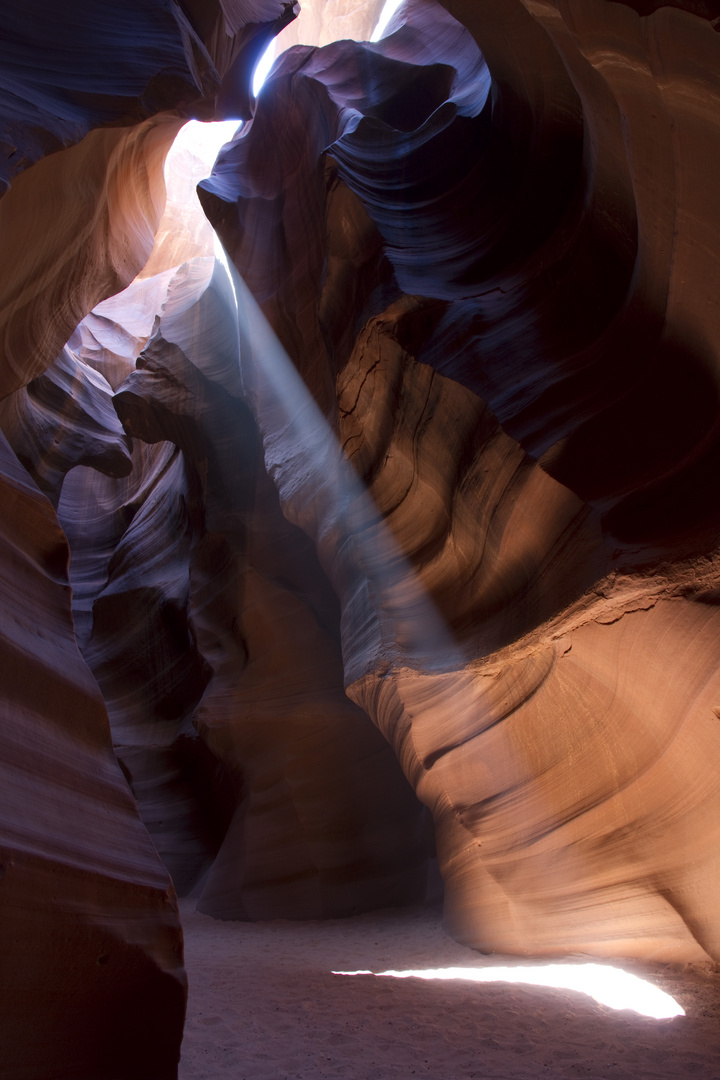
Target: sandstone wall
482, 267
439, 501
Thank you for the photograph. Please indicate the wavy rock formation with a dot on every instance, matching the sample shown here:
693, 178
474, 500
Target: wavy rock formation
92, 948
92, 982
444, 241
66, 73
132, 544
187, 572
95, 116
450, 514
78, 226
140, 646
324, 823
65, 418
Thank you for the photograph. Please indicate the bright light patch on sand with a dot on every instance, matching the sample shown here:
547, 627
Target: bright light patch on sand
263, 68
386, 15
609, 986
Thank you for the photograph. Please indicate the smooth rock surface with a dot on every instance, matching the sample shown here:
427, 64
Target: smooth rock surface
92, 985
449, 512
62, 419
92, 946
534, 587
324, 824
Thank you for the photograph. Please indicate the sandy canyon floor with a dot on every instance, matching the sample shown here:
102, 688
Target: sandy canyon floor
264, 1005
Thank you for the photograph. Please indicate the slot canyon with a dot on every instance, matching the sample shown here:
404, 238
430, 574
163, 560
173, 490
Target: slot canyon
360, 527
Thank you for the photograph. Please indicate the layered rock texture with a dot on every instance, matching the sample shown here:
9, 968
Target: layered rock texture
404, 523
91, 945
479, 247
91, 980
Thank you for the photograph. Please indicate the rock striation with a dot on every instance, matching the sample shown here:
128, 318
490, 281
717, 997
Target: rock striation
411, 516
322, 822
92, 948
474, 246
62, 419
92, 983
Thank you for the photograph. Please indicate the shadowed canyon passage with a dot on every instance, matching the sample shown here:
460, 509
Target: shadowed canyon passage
387, 540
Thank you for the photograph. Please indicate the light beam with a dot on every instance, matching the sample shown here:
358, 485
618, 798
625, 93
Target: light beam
322, 493
262, 69
386, 15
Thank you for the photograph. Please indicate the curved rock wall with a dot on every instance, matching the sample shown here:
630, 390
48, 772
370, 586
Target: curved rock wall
92, 970
92, 984
323, 822
485, 516
79, 225
442, 248
65, 418
190, 584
